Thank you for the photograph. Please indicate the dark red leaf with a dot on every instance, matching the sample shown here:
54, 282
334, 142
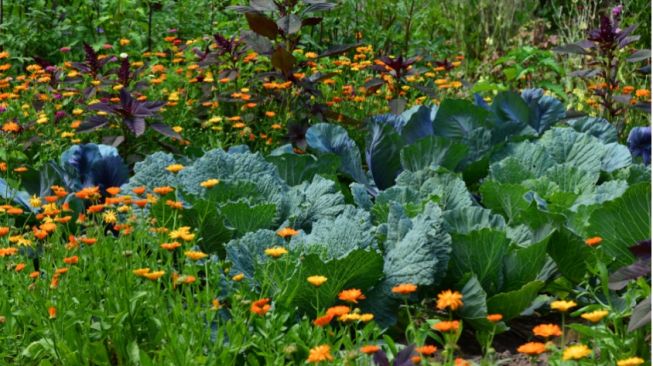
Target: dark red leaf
262, 25
165, 130
283, 60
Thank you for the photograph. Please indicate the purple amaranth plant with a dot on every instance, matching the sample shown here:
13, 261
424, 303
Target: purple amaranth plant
132, 114
602, 47
404, 357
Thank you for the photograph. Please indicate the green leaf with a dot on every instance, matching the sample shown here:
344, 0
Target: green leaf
623, 222
572, 179
597, 127
382, 154
506, 199
204, 216
481, 253
431, 152
244, 217
334, 139
314, 200
248, 253
616, 157
512, 115
511, 304
295, 169
570, 254
334, 237
466, 219
457, 119
522, 265
361, 268
565, 145
417, 250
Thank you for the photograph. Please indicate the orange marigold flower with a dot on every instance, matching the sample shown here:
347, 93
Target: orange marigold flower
547, 330
52, 311
338, 310
34, 275
404, 289
171, 246
141, 271
319, 354
88, 193
195, 255
416, 360
154, 275
88, 241
494, 318
15, 211
71, 260
4, 252
427, 350
447, 326
4, 230
215, 304
323, 321
593, 241
642, 93
11, 126
139, 190
460, 362
177, 205
370, 349
260, 307
95, 208
532, 348
163, 190
20, 267
449, 299
113, 190
351, 295
286, 232
562, 306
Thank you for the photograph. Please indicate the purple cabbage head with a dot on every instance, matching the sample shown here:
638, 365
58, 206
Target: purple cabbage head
639, 143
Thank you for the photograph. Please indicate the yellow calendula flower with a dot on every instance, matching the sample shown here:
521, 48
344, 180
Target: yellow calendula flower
109, 217
286, 232
316, 281
276, 252
210, 183
239, 277
35, 201
576, 352
595, 316
632, 361
562, 306
174, 168
182, 233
